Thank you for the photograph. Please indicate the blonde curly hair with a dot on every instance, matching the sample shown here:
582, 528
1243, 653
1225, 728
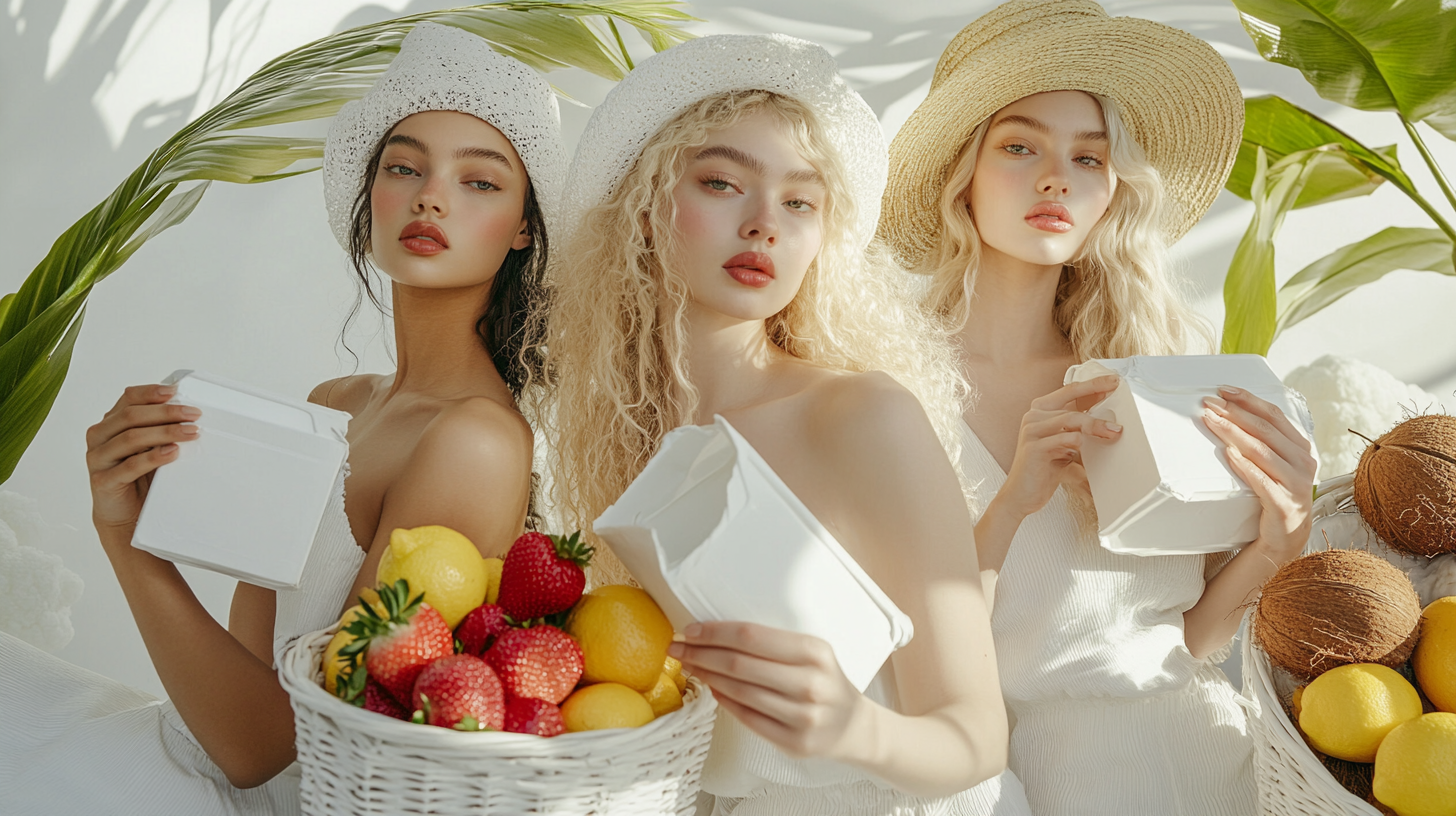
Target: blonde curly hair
616, 333
1115, 297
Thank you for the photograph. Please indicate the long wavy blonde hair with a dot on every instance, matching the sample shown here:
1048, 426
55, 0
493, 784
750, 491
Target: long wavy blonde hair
617, 335
1115, 297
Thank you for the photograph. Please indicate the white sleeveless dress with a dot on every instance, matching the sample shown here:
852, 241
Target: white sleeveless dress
1112, 713
75, 742
748, 776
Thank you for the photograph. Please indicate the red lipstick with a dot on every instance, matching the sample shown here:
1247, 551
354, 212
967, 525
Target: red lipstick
423, 238
754, 269
1050, 217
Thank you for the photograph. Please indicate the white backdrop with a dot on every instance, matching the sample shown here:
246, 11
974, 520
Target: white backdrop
253, 286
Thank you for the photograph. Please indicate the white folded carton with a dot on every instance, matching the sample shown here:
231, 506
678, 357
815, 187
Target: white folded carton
246, 496
713, 534
1166, 487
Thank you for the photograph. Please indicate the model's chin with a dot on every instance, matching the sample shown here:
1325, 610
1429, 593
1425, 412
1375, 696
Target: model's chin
1043, 248
745, 304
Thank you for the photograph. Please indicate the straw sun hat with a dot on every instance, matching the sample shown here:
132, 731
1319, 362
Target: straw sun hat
440, 68
1176, 94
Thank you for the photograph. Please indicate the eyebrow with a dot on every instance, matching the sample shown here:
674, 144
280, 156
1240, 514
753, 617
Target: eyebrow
1041, 127
463, 153
756, 165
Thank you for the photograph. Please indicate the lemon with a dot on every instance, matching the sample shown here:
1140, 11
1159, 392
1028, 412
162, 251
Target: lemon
332, 663
1297, 701
605, 705
664, 696
493, 567
1435, 656
1415, 768
1349, 709
672, 667
439, 562
623, 636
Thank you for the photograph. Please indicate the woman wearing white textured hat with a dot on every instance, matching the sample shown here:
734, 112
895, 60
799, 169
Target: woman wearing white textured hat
1058, 152
717, 215
445, 176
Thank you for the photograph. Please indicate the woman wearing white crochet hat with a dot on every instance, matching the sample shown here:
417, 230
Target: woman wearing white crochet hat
1058, 153
444, 176
717, 214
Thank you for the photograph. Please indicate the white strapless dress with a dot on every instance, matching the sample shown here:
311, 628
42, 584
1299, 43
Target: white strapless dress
75, 742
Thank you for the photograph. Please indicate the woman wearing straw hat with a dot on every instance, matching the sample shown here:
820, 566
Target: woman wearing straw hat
1057, 155
718, 210
445, 176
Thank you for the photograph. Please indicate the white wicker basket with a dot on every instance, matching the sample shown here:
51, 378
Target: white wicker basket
358, 762
1292, 781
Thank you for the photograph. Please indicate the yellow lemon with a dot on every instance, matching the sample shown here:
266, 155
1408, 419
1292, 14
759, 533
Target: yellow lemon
439, 562
1349, 709
672, 667
1415, 768
332, 663
1296, 701
623, 636
664, 697
1435, 657
493, 568
605, 705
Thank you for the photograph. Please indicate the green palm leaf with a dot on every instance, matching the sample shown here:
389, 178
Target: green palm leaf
39, 323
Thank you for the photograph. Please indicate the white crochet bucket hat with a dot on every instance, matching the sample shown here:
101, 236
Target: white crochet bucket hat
440, 68
667, 83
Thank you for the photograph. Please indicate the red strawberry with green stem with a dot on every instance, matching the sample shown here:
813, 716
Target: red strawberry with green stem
480, 627
543, 575
397, 645
541, 662
460, 692
527, 715
378, 700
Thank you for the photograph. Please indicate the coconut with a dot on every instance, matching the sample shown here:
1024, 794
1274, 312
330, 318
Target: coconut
1405, 485
1355, 777
1330, 608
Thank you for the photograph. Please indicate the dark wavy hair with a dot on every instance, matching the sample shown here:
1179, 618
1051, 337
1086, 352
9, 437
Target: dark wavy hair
505, 328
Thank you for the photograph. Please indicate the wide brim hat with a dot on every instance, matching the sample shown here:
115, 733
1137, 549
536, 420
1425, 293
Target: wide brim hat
1176, 95
669, 82
440, 68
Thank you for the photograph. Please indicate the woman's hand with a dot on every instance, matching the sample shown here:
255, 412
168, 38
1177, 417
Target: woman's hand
784, 686
1274, 459
138, 435
1049, 446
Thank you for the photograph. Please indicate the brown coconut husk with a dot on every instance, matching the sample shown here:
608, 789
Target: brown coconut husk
1355, 777
1335, 607
1405, 485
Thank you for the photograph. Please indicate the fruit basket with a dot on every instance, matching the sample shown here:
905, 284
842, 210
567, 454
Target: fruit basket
1291, 779
358, 762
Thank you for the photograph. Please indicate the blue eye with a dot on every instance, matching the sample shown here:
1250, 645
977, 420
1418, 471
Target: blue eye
482, 185
1089, 161
400, 170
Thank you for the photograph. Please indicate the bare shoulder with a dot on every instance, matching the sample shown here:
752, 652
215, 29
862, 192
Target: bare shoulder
476, 426
868, 412
349, 394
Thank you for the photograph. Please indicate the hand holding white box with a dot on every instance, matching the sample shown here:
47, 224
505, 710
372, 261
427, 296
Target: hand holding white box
1166, 487
246, 496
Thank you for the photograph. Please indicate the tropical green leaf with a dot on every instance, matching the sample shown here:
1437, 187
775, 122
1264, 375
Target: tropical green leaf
26, 407
1368, 54
1335, 275
1347, 169
1249, 296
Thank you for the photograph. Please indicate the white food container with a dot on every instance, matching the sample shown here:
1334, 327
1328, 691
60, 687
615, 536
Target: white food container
246, 496
1166, 487
713, 534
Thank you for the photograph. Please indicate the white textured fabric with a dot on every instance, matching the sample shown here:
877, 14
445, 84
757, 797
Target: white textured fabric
75, 742
1113, 714
440, 68
665, 84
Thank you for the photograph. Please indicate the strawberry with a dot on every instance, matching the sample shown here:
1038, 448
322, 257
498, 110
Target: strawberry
479, 628
527, 715
542, 575
460, 692
541, 662
378, 700
397, 645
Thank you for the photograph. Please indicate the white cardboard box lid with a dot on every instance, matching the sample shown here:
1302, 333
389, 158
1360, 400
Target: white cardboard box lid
713, 534
1168, 457
246, 497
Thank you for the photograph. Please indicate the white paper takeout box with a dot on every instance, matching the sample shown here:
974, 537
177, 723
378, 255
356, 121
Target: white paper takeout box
712, 534
246, 496
1166, 487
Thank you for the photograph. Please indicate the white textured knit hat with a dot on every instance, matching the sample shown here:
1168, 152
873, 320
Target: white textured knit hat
667, 83
440, 68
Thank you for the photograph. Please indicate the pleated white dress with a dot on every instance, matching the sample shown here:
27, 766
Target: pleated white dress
75, 742
1112, 713
748, 776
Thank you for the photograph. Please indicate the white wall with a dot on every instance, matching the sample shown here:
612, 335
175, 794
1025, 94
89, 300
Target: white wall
252, 286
